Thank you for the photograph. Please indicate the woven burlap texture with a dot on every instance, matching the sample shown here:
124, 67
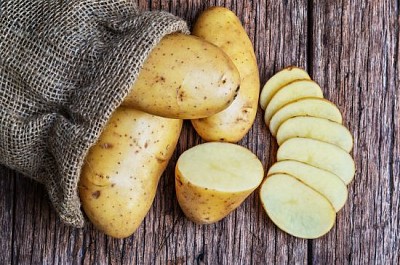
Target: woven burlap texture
65, 66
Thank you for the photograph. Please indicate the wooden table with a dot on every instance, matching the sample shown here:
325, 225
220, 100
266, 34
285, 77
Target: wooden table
352, 50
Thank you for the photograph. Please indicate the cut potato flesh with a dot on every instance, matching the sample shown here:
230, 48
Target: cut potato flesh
292, 92
213, 179
296, 208
221, 166
319, 154
314, 107
315, 128
326, 183
280, 79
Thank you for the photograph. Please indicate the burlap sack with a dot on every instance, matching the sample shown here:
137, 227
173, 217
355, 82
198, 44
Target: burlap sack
64, 67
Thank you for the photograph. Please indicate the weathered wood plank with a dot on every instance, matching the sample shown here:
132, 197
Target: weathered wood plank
7, 194
356, 56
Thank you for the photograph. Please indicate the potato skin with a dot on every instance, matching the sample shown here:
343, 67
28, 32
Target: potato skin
184, 77
205, 206
233, 123
121, 172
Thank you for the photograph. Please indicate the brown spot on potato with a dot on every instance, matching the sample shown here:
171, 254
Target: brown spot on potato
96, 194
181, 94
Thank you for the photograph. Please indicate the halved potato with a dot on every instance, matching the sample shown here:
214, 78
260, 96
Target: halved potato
326, 183
291, 92
296, 208
213, 179
319, 154
315, 128
314, 107
280, 79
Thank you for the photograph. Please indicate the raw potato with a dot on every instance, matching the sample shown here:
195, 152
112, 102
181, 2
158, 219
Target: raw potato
314, 107
213, 179
291, 92
121, 172
296, 208
324, 182
280, 79
221, 27
315, 128
319, 154
184, 77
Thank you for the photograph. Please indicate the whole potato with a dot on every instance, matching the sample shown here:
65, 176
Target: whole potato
184, 77
121, 172
221, 27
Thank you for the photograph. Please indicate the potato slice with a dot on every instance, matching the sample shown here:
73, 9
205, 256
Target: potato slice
213, 179
291, 92
314, 107
315, 128
319, 154
326, 183
296, 208
280, 79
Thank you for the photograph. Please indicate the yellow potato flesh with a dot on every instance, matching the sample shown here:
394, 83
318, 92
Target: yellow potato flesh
231, 124
324, 182
315, 128
213, 179
184, 77
280, 79
294, 91
121, 172
296, 208
314, 107
319, 154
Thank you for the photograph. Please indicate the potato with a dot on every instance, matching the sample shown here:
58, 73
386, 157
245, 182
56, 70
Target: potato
314, 107
121, 172
319, 154
315, 128
296, 90
280, 79
221, 27
184, 77
324, 182
296, 208
213, 179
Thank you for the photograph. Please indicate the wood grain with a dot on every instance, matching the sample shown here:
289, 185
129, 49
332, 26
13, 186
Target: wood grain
355, 59
351, 48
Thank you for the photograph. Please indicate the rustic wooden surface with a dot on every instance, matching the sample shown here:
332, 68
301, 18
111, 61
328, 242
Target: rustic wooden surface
351, 48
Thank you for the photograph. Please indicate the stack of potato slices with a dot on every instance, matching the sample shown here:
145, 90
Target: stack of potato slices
306, 187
